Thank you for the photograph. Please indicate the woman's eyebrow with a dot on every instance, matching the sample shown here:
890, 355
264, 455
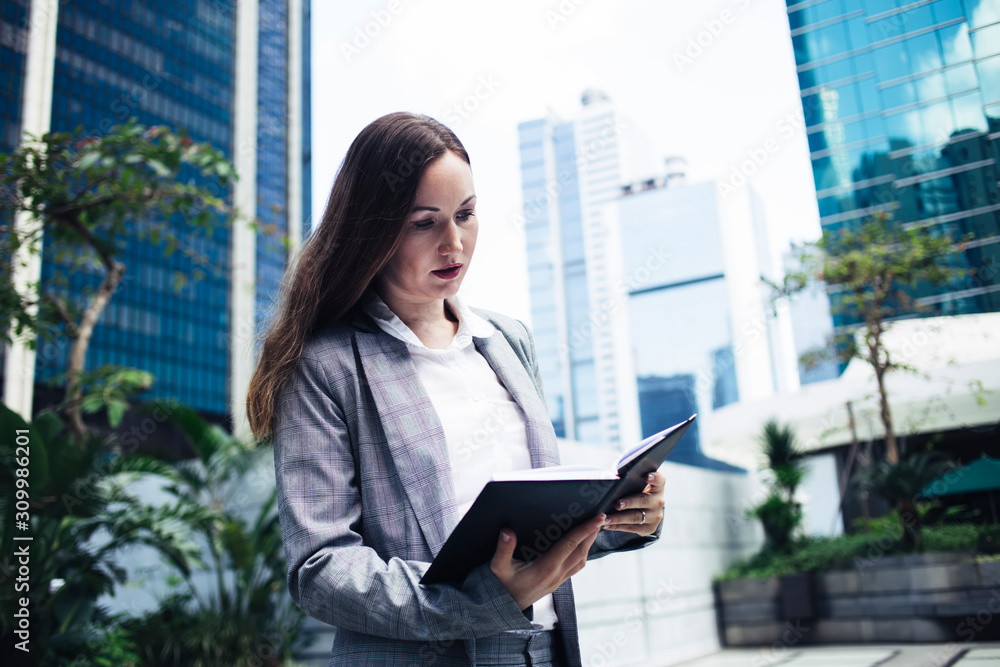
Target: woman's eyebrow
434, 208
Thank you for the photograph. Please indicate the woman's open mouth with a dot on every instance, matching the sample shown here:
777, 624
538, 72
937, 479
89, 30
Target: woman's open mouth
448, 272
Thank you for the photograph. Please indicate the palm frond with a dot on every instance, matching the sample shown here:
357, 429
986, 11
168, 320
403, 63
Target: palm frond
906, 479
779, 444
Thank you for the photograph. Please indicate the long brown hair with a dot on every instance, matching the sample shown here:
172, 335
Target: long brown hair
360, 231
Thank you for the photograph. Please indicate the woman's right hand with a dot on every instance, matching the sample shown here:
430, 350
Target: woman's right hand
529, 582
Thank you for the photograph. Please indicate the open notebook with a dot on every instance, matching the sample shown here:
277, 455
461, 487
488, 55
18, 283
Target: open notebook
543, 504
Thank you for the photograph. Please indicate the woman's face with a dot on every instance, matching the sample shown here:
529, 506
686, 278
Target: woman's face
439, 239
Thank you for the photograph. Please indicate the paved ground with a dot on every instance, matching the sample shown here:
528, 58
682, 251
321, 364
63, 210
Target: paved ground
980, 654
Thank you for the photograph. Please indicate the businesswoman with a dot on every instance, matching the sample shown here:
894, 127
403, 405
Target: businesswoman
390, 403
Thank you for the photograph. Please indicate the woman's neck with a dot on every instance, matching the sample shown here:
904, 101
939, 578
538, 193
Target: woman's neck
431, 321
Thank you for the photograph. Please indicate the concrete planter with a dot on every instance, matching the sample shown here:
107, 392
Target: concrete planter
919, 597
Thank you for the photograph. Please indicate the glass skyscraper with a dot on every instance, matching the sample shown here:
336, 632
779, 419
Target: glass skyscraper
644, 298
569, 169
12, 50
14, 15
698, 333
902, 107
548, 146
175, 64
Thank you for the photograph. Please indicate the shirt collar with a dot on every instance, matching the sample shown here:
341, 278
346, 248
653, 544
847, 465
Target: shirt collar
470, 325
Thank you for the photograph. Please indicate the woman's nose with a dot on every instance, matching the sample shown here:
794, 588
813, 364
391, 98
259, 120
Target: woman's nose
451, 241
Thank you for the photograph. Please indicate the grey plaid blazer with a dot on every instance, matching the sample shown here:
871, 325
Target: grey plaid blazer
366, 499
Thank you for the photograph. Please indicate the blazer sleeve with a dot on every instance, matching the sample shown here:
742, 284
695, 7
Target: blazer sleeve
332, 574
607, 541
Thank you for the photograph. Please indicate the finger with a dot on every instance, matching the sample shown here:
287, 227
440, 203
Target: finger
638, 501
651, 496
584, 531
634, 516
577, 537
581, 561
637, 528
576, 560
655, 482
504, 555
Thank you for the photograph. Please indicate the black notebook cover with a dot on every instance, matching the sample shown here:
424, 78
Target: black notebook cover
540, 512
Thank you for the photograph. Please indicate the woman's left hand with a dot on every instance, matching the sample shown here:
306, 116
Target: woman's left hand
641, 513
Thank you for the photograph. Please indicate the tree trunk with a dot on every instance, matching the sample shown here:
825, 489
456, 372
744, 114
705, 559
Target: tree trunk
891, 448
78, 352
874, 347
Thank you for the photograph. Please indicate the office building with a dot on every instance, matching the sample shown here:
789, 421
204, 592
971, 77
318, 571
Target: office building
569, 170
902, 108
698, 323
646, 306
234, 74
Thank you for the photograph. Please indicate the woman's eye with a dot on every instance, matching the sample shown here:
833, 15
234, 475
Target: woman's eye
465, 215
424, 224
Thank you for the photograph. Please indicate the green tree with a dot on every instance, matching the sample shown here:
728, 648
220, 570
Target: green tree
76, 505
88, 196
868, 269
247, 617
779, 513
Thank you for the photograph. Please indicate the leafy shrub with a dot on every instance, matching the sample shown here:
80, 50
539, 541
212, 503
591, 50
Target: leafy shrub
900, 483
83, 516
180, 633
114, 647
779, 517
823, 554
779, 513
247, 617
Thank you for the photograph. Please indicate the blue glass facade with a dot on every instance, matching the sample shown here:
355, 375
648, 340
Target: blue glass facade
902, 108
14, 17
272, 152
724, 388
173, 64
160, 65
543, 265
579, 342
557, 274
306, 118
682, 333
665, 401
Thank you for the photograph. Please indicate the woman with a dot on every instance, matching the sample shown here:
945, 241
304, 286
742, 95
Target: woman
376, 383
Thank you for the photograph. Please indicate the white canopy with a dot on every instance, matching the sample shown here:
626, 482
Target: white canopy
956, 385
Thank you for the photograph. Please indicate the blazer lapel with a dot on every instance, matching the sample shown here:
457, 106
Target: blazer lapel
413, 432
508, 367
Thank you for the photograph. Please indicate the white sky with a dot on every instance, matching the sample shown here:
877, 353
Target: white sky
430, 55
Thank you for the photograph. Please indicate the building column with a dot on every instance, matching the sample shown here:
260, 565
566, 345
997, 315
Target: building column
36, 116
243, 287
296, 215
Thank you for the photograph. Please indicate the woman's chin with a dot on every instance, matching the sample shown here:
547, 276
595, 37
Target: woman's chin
449, 288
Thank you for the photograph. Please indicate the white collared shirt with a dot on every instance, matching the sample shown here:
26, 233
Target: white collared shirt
483, 426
